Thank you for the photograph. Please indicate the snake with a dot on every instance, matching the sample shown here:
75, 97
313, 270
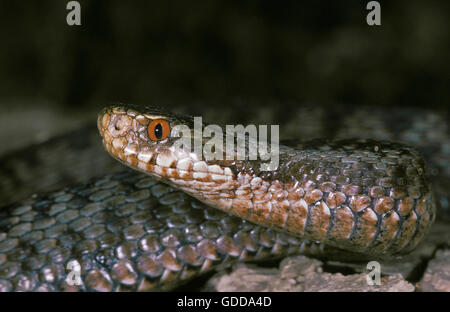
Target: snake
174, 215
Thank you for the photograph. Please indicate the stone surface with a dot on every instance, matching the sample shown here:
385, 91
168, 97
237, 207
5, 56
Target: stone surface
437, 275
301, 274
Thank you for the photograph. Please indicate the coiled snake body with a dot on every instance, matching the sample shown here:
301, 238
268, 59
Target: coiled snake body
127, 231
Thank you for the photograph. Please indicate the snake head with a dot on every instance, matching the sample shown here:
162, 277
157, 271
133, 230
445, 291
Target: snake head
143, 138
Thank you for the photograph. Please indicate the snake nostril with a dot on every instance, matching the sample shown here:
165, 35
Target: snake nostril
119, 124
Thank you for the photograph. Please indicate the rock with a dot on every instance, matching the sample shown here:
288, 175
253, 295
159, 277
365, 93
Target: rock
301, 274
437, 275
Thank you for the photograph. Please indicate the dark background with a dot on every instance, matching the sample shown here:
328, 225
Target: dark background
195, 53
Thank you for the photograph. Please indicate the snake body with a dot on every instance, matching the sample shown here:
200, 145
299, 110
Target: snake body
129, 232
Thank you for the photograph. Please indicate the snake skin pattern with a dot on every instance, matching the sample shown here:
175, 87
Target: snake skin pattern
106, 227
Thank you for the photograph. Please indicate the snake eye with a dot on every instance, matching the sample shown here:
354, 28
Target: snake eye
158, 129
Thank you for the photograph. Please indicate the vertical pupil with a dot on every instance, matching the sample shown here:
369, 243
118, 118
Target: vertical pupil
158, 131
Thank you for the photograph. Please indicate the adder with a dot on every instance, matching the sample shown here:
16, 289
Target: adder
176, 215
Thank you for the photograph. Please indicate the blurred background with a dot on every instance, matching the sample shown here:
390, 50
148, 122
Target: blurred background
224, 55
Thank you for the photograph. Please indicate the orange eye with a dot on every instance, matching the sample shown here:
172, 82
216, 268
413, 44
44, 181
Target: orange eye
158, 129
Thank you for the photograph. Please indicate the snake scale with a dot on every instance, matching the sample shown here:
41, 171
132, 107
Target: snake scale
129, 231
